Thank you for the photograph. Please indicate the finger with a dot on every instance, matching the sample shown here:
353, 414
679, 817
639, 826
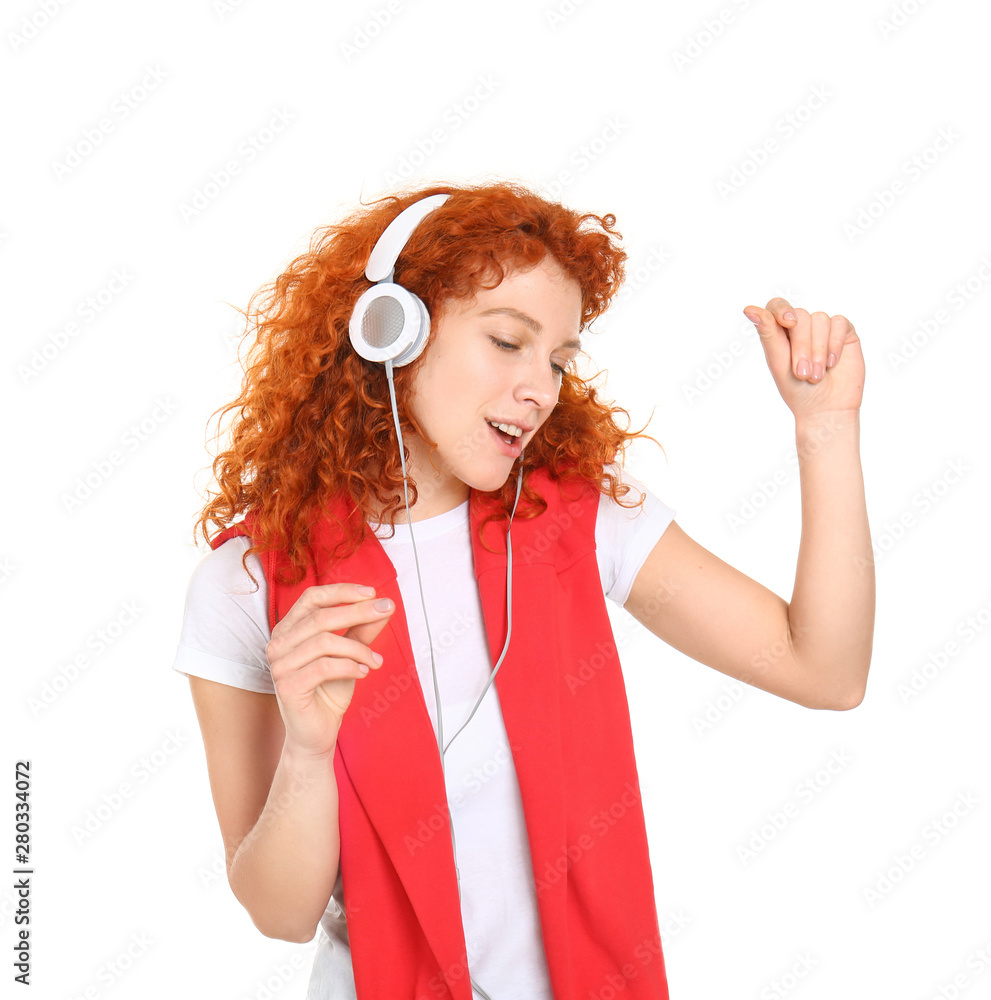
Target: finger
839, 327
773, 338
782, 312
330, 595
306, 680
369, 631
324, 645
819, 345
801, 345
340, 619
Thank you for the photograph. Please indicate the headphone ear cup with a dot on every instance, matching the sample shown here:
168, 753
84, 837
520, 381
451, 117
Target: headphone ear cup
419, 342
389, 323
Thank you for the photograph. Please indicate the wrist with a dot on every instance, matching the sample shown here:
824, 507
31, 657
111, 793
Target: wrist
826, 422
302, 761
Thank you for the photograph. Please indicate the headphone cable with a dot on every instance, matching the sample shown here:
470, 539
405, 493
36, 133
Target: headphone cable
423, 604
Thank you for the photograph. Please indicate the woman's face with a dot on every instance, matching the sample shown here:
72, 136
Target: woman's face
496, 358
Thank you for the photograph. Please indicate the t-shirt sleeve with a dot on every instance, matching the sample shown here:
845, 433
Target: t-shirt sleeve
625, 536
225, 624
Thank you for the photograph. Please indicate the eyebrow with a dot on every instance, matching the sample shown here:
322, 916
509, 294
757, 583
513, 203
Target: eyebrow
527, 320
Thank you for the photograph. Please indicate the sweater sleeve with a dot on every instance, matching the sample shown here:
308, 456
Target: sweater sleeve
225, 623
624, 537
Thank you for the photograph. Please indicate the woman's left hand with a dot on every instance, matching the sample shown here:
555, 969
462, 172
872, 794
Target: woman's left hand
815, 359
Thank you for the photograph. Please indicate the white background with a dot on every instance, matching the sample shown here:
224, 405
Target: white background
517, 90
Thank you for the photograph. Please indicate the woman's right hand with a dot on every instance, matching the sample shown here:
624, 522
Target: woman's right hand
314, 669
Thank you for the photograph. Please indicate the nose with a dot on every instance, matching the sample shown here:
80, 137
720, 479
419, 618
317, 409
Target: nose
538, 385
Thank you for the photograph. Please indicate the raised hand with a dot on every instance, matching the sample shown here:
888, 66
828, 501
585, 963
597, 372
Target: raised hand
815, 359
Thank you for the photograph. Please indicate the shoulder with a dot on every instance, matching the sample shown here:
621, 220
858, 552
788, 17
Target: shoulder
626, 535
221, 595
225, 622
640, 506
221, 570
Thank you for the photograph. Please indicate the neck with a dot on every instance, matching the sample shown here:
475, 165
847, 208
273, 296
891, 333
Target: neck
436, 494
438, 489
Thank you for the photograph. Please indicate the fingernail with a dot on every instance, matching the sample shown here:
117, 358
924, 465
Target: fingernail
817, 370
790, 316
366, 591
377, 657
383, 604
803, 368
753, 319
831, 360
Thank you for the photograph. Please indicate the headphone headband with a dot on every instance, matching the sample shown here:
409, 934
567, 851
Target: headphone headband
386, 251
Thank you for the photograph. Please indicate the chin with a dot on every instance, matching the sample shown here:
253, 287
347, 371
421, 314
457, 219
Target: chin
488, 481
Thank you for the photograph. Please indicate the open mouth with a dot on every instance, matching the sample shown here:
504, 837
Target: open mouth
508, 438
509, 433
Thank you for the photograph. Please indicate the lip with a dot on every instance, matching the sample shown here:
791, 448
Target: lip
513, 450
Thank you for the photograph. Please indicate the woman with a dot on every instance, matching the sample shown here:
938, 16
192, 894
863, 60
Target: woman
505, 851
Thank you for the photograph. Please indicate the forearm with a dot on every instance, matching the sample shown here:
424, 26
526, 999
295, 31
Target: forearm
284, 870
831, 614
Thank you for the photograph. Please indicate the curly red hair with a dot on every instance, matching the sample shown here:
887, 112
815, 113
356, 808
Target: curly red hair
314, 419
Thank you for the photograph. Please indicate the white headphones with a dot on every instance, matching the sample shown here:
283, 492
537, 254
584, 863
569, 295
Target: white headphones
389, 322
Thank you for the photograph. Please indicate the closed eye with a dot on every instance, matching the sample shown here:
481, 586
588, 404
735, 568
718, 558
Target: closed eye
506, 346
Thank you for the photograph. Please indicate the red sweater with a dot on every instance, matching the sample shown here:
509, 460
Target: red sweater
567, 718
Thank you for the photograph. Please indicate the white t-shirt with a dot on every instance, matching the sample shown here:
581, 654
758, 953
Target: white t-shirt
224, 634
